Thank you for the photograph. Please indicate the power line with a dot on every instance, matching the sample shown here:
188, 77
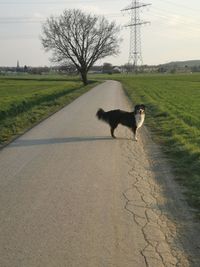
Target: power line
175, 12
156, 12
135, 53
20, 19
18, 37
23, 20
53, 2
180, 18
179, 5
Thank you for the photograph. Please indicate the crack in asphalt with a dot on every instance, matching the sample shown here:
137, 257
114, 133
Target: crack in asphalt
142, 201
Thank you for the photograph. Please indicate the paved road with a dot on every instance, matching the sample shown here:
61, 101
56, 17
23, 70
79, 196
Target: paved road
72, 196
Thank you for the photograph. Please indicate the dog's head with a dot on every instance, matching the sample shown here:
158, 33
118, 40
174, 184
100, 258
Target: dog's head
139, 109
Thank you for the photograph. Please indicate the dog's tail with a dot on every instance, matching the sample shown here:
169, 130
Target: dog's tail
101, 114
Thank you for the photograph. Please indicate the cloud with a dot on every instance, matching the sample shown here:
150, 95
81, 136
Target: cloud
92, 9
38, 15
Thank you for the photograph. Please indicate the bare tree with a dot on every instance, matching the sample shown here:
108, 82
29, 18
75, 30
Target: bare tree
80, 39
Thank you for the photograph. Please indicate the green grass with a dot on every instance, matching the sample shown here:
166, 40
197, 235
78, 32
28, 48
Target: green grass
173, 108
26, 100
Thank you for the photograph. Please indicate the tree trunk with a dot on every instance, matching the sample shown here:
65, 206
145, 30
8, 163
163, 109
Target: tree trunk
84, 77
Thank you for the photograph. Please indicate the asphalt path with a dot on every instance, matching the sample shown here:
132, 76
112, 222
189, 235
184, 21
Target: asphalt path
72, 196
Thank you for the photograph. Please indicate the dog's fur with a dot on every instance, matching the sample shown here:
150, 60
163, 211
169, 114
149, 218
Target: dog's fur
132, 120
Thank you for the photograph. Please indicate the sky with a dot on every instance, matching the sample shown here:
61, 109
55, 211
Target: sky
172, 35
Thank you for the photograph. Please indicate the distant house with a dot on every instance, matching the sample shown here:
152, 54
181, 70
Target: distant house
117, 70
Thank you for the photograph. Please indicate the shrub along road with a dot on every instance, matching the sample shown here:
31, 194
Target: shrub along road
72, 196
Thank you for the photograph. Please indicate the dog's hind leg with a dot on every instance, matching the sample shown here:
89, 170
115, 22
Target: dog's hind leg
112, 129
112, 132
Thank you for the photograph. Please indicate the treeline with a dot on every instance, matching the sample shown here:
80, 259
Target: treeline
178, 69
25, 69
108, 68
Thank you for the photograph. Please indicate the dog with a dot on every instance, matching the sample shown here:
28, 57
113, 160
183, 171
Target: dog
133, 120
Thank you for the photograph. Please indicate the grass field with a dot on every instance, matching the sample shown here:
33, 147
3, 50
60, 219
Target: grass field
25, 100
173, 108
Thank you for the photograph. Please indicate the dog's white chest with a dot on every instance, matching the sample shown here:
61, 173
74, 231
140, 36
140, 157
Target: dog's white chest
139, 119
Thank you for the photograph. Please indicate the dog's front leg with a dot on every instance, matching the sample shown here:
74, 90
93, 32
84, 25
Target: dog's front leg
136, 136
135, 133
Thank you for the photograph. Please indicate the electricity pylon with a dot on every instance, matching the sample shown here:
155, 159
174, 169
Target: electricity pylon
135, 51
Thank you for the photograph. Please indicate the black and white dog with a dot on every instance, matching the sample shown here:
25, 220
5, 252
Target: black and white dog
132, 120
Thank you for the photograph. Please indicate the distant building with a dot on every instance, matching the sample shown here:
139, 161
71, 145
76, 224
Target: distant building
117, 69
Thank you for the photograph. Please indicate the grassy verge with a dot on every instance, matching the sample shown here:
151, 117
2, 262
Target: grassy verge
26, 100
173, 104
